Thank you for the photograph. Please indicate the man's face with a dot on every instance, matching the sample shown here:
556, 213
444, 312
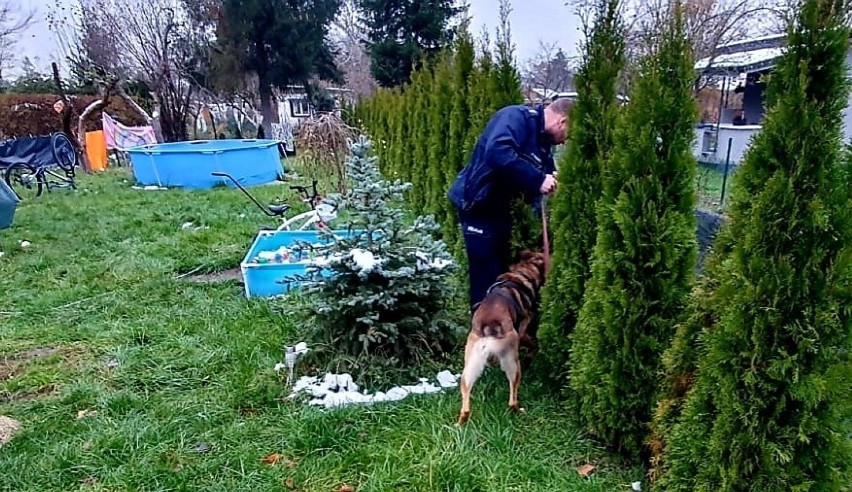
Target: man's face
558, 130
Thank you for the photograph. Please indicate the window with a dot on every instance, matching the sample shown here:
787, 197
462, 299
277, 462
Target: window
300, 108
708, 142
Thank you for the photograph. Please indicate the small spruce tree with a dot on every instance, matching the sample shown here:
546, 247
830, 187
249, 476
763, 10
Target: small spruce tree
770, 405
378, 297
645, 252
590, 137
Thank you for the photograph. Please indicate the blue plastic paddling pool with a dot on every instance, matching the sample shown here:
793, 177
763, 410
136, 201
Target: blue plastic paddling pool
190, 164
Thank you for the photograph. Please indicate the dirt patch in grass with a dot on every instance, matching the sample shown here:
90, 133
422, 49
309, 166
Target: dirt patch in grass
9, 364
8, 427
214, 277
22, 396
16, 366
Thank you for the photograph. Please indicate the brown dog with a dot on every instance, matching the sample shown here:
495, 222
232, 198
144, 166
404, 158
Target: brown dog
499, 327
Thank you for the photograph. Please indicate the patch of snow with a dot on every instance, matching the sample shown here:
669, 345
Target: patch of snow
364, 259
149, 188
337, 390
737, 60
424, 262
447, 379
188, 225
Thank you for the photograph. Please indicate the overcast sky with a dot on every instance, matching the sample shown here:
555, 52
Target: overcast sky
532, 21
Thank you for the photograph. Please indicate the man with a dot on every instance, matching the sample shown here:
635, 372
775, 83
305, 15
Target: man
513, 157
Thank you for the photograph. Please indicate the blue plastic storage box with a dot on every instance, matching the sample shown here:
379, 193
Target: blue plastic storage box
266, 279
8, 203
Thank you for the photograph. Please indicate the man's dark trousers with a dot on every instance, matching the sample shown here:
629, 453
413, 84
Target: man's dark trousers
488, 253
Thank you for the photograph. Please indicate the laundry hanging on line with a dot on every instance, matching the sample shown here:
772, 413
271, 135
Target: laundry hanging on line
122, 137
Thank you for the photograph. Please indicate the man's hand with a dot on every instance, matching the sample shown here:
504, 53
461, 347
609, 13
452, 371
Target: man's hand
549, 185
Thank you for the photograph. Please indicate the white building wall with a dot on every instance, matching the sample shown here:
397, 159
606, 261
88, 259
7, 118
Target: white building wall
847, 116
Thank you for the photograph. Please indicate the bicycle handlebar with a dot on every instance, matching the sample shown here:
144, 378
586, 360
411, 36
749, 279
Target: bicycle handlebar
309, 197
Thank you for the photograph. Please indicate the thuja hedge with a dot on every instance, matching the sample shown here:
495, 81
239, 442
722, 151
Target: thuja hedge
425, 130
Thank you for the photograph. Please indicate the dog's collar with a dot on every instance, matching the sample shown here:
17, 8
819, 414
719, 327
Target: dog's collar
531, 296
516, 307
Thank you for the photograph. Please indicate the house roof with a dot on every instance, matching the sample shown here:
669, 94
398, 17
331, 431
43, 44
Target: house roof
574, 95
745, 56
740, 62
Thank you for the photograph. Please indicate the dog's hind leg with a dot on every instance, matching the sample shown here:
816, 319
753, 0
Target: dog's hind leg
510, 363
474, 364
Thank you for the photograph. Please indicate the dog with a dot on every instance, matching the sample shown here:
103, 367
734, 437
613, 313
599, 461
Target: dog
500, 326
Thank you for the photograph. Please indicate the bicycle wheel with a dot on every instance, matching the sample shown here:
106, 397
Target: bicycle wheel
24, 181
64, 152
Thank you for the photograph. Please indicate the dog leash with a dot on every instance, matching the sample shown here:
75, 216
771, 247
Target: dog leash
545, 239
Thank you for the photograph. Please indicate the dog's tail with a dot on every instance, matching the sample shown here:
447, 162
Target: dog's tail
494, 330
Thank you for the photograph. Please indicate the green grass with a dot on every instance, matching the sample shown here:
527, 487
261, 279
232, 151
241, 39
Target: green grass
709, 182
180, 374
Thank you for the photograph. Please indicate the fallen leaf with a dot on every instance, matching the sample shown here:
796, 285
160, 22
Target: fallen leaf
290, 483
346, 488
86, 413
289, 463
272, 459
586, 470
89, 480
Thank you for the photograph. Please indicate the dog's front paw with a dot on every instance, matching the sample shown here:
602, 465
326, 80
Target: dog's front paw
463, 418
517, 408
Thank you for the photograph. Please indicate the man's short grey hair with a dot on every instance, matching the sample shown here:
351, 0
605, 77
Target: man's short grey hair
562, 106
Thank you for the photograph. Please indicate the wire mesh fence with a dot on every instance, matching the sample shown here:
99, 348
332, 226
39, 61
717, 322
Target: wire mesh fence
714, 181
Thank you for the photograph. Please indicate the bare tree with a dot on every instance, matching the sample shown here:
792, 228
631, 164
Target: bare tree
151, 41
549, 69
349, 34
14, 20
710, 24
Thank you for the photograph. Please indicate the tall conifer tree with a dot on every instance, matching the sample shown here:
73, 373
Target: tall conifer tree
590, 138
463, 66
420, 94
645, 251
440, 110
769, 408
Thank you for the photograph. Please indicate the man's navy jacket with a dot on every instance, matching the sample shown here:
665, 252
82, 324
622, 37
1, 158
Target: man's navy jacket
511, 157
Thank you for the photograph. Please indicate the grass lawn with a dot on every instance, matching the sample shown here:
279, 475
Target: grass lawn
709, 182
126, 377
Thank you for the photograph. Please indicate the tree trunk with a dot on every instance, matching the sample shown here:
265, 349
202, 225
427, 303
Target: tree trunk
267, 109
144, 114
81, 128
172, 121
66, 111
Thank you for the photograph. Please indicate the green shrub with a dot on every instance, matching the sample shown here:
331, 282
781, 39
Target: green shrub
642, 266
769, 408
573, 217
